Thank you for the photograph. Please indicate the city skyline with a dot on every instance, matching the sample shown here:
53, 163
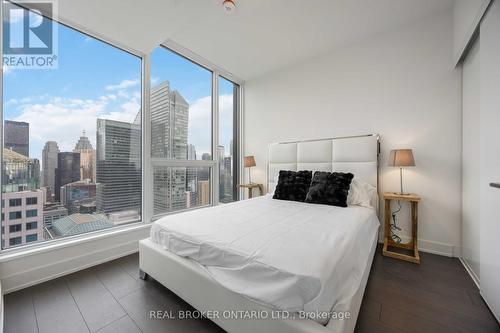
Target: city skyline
73, 137
91, 141
56, 117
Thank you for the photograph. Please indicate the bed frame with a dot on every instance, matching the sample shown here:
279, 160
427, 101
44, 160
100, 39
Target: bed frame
190, 281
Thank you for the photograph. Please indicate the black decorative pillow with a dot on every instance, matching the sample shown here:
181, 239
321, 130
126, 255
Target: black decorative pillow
329, 188
293, 185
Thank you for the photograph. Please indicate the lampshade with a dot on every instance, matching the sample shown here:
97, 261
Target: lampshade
249, 161
401, 158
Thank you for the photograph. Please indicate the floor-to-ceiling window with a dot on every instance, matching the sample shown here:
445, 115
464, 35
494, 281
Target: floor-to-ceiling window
188, 153
72, 134
181, 132
72, 157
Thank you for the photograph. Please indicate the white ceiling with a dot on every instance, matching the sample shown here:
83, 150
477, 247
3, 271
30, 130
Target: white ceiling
261, 36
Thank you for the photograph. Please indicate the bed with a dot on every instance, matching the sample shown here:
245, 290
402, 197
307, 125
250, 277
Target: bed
272, 265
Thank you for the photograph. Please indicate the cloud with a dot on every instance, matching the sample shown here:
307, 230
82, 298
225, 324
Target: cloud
123, 94
127, 113
200, 123
226, 121
110, 97
11, 102
123, 85
63, 119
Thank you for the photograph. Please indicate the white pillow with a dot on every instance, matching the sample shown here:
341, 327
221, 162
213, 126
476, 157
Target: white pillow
361, 193
275, 182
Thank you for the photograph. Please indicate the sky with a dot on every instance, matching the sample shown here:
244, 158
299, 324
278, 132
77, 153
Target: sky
96, 80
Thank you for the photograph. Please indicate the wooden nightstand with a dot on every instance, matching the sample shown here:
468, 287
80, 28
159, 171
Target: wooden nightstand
412, 245
250, 188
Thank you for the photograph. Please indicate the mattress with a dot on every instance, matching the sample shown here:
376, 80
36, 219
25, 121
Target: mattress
286, 255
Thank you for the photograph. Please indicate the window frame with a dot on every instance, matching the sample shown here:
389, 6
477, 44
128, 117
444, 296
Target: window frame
15, 200
15, 218
13, 228
30, 224
146, 164
237, 128
31, 241
30, 211
29, 199
214, 163
108, 231
16, 237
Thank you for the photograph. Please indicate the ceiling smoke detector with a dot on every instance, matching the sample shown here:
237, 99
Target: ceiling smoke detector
229, 6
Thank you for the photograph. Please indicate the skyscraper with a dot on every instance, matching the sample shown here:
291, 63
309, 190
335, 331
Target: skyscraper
228, 180
17, 136
78, 193
179, 108
22, 217
160, 121
169, 123
222, 187
169, 139
191, 152
118, 166
19, 173
22, 200
191, 178
87, 158
49, 166
203, 191
202, 175
68, 171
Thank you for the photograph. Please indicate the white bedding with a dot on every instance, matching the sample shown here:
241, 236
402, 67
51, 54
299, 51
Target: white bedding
283, 254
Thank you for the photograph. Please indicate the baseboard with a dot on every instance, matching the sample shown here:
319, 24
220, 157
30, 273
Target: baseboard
469, 270
489, 307
433, 247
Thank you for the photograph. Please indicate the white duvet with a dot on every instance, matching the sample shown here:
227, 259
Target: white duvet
283, 254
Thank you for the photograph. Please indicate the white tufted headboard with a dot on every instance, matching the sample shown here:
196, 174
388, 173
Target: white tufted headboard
355, 154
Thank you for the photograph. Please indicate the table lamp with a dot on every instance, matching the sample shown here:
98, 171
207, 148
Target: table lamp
249, 161
401, 158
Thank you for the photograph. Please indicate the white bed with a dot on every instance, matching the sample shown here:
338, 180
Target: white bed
265, 255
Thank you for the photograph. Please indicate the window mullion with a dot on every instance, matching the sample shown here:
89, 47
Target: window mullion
215, 137
147, 180
181, 163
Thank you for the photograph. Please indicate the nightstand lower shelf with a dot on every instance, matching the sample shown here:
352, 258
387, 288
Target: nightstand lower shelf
415, 258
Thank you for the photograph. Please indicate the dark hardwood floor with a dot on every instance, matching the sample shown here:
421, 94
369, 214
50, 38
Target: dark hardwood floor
436, 296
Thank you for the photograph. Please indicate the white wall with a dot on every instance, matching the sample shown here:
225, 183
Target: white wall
401, 85
490, 158
470, 160
466, 18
